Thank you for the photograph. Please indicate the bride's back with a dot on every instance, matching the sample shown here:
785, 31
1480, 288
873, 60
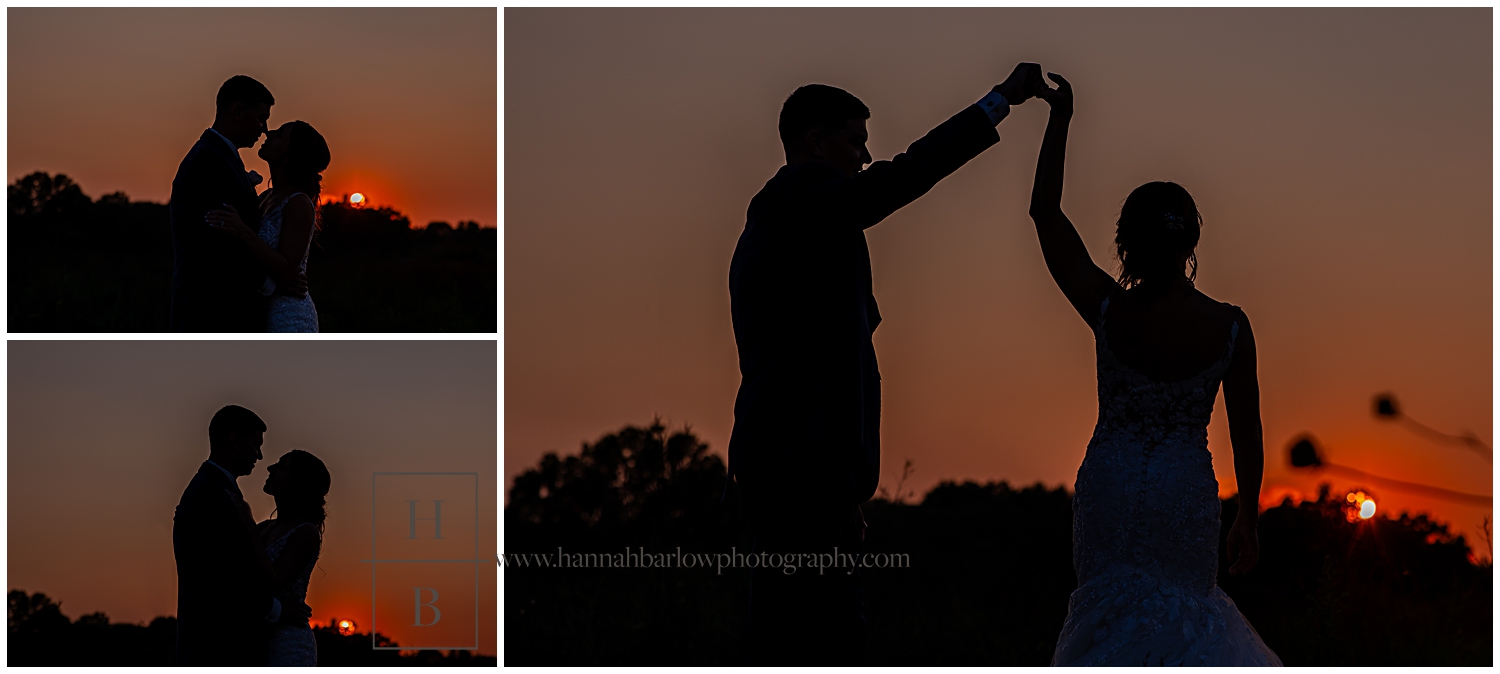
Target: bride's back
1168, 336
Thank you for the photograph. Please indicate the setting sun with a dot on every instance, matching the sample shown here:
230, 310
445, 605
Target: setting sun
1361, 506
356, 198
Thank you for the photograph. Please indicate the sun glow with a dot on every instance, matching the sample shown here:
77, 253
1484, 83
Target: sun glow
346, 627
1361, 506
357, 199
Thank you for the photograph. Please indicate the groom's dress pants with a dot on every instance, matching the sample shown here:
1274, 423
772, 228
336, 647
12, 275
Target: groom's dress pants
797, 615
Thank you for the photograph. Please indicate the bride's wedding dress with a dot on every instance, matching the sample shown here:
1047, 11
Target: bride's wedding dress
287, 314
293, 645
1146, 529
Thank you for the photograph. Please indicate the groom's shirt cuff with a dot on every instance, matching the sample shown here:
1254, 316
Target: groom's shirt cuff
994, 105
268, 287
275, 613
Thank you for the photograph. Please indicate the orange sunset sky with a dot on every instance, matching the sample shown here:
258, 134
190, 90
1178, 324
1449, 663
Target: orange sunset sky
104, 436
1341, 160
406, 98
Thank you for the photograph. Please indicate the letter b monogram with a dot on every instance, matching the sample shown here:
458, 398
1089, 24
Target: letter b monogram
436, 614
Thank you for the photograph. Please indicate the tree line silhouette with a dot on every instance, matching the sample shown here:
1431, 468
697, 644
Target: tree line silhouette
989, 579
39, 635
82, 265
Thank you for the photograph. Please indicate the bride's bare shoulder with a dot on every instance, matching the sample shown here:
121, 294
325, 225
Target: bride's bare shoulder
304, 540
1207, 306
298, 205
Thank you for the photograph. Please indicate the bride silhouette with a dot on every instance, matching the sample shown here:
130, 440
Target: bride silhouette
297, 155
288, 547
1146, 506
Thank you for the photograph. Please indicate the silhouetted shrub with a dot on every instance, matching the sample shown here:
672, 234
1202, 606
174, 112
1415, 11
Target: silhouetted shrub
40, 635
1375, 592
639, 485
989, 577
354, 650
78, 265
642, 488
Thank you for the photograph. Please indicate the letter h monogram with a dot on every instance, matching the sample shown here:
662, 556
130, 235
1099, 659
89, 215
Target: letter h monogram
436, 519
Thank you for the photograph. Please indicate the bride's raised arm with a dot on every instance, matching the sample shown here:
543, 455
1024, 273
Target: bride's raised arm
1081, 281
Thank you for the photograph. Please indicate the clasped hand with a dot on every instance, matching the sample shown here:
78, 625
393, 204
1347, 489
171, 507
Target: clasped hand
1026, 82
294, 612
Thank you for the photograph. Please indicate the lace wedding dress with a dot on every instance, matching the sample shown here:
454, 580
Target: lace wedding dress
292, 645
1146, 529
287, 314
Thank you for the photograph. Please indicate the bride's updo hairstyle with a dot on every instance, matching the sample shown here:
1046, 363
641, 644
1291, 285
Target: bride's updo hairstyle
306, 159
1156, 234
307, 482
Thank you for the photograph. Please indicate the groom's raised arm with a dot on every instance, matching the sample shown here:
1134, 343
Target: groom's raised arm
886, 186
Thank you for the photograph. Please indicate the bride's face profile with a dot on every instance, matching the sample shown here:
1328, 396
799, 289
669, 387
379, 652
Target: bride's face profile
275, 147
277, 475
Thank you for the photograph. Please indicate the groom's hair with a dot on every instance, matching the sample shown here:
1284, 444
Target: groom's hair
817, 106
232, 421
244, 90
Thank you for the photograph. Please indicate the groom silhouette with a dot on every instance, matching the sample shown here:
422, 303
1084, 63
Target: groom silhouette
805, 449
217, 284
225, 606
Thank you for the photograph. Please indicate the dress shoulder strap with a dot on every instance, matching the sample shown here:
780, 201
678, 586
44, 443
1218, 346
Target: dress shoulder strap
282, 202
292, 530
308, 524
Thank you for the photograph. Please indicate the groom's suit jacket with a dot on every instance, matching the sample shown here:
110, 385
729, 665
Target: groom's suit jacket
216, 280
223, 594
807, 416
